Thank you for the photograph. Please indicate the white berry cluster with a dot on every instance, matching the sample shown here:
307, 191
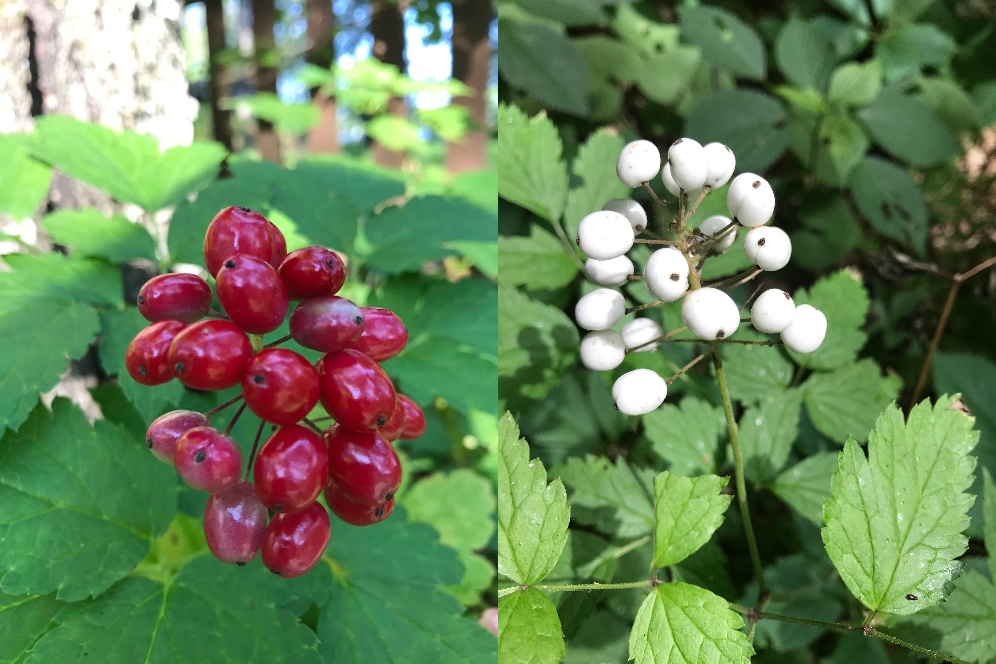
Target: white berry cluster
672, 272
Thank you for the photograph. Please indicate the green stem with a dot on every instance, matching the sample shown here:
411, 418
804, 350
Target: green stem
738, 459
572, 249
612, 554
257, 342
577, 586
277, 342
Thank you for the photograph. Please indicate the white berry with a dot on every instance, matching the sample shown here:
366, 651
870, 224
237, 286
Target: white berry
807, 331
603, 350
666, 274
639, 392
600, 309
605, 234
768, 247
613, 272
772, 311
689, 167
639, 162
639, 332
716, 224
750, 200
720, 164
710, 314
673, 187
631, 210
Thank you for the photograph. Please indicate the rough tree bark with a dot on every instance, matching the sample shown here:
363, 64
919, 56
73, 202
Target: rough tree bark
471, 47
324, 137
387, 25
221, 120
265, 43
15, 74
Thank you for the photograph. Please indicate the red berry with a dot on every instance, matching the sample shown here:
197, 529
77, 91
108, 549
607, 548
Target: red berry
147, 356
165, 430
252, 294
293, 543
184, 297
234, 522
392, 430
236, 230
280, 386
290, 469
210, 355
278, 245
207, 459
363, 465
414, 418
327, 323
355, 390
384, 335
312, 271
355, 513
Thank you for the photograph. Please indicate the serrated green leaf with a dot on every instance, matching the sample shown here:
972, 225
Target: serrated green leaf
530, 170
767, 433
687, 435
843, 300
805, 485
907, 129
894, 521
364, 184
755, 373
609, 58
482, 255
96, 507
845, 402
855, 83
687, 511
803, 587
890, 201
804, 54
905, 49
126, 165
26, 180
989, 518
707, 568
568, 12
89, 233
545, 65
951, 103
532, 515
617, 498
529, 629
751, 123
684, 624
666, 77
23, 620
595, 167
725, 40
642, 32
830, 231
538, 262
56, 277
317, 200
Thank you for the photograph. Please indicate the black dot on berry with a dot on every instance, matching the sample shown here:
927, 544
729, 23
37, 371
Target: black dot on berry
141, 299
760, 242
245, 209
240, 563
677, 141
388, 495
229, 263
381, 420
258, 378
178, 368
911, 597
148, 441
720, 334
379, 512
757, 183
200, 456
278, 508
275, 571
358, 320
141, 369
331, 263
675, 276
577, 241
787, 296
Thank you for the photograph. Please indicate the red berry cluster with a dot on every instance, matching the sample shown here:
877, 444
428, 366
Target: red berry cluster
352, 461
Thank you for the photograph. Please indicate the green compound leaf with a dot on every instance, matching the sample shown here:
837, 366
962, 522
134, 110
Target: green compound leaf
595, 167
905, 50
25, 180
126, 165
989, 519
683, 624
100, 501
616, 498
890, 201
844, 301
767, 433
545, 64
846, 402
23, 620
804, 54
89, 233
908, 130
529, 629
751, 123
805, 485
687, 435
666, 77
530, 170
537, 262
725, 40
800, 586
756, 373
532, 515
895, 519
208, 607
856, 84
687, 511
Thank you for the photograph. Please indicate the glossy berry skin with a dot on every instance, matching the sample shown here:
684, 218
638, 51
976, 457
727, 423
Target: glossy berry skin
210, 355
363, 465
383, 336
147, 357
207, 459
354, 513
355, 390
278, 246
183, 297
293, 543
234, 523
414, 418
280, 386
392, 430
312, 271
236, 230
252, 294
165, 430
327, 323
291, 469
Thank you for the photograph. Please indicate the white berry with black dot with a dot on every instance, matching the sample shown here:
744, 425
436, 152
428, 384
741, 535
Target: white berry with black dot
639, 162
666, 274
630, 209
750, 200
710, 314
720, 164
603, 350
605, 235
639, 392
719, 224
772, 311
639, 332
689, 166
768, 247
613, 272
600, 309
807, 331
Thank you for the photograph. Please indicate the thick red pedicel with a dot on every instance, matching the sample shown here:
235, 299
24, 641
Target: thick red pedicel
291, 469
414, 418
210, 355
183, 297
362, 465
147, 357
312, 271
354, 513
234, 523
236, 230
165, 430
327, 323
252, 294
294, 542
280, 386
383, 336
207, 459
355, 390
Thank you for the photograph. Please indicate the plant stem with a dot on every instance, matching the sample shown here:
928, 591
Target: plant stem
746, 275
738, 458
613, 554
745, 342
572, 249
685, 368
661, 204
257, 342
314, 427
217, 409
235, 418
695, 206
641, 240
633, 310
658, 339
578, 586
278, 341
255, 446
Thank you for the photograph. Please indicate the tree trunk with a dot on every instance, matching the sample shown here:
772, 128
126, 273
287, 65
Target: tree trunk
265, 43
387, 25
15, 70
221, 120
323, 137
471, 48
